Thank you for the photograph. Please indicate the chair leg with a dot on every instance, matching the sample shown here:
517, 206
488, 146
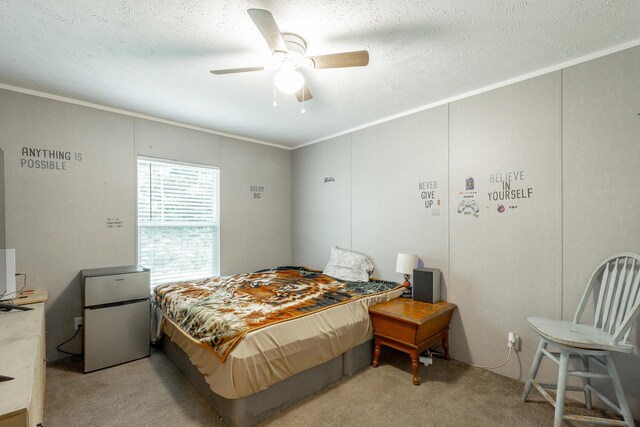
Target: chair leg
562, 385
586, 381
535, 365
617, 385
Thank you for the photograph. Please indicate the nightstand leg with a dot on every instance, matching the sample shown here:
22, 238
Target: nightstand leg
376, 352
445, 344
415, 365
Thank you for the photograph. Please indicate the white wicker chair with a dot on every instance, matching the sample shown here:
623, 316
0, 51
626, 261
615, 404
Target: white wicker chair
617, 305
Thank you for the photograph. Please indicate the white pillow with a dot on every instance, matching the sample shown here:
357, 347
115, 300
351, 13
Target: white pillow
348, 265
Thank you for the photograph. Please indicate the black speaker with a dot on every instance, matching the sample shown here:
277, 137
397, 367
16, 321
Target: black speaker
426, 284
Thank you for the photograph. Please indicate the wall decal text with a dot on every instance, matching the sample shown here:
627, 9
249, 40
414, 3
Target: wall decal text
430, 195
47, 159
504, 191
257, 191
114, 222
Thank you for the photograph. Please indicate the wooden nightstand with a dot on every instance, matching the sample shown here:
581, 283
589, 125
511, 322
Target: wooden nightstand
412, 327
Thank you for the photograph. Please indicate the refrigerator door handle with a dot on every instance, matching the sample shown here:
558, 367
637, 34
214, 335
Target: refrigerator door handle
115, 304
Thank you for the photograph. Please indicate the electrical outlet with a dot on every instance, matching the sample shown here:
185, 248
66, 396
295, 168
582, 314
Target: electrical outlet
513, 341
77, 322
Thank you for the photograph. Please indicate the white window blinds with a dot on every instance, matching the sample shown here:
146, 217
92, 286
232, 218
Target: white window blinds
178, 220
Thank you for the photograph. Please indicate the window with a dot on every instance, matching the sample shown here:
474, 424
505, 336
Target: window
178, 220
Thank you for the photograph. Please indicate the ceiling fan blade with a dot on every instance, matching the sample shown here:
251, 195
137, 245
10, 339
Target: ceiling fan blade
236, 70
338, 60
303, 94
269, 29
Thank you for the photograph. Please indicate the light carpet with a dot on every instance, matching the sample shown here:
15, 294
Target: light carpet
152, 392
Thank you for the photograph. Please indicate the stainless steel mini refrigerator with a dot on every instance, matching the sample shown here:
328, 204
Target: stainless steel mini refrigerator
116, 316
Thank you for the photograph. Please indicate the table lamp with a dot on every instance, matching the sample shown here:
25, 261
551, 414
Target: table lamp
405, 265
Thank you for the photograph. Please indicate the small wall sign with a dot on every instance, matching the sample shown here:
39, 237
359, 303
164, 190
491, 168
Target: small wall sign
257, 191
114, 222
329, 179
468, 204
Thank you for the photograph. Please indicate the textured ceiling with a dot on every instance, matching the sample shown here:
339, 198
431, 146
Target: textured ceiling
153, 57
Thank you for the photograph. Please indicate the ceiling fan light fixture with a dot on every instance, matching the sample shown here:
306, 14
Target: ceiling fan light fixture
288, 57
288, 80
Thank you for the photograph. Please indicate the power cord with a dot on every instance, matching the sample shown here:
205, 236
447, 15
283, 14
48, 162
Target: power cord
492, 367
68, 352
24, 285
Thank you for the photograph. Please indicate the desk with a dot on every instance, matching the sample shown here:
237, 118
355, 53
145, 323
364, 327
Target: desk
412, 327
31, 297
22, 356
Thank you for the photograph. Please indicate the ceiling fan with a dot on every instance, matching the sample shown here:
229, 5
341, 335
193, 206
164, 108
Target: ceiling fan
289, 56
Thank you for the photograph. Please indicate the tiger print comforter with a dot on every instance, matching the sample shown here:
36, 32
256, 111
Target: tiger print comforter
219, 311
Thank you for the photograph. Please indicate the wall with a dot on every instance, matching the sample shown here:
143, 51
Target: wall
321, 210
373, 181
2, 219
389, 214
601, 180
255, 232
57, 219
505, 265
570, 136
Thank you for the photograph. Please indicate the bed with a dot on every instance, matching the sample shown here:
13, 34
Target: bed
255, 343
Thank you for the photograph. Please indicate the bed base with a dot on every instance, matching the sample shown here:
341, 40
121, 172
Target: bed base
251, 409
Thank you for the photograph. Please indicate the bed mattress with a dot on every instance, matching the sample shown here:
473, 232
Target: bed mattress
266, 356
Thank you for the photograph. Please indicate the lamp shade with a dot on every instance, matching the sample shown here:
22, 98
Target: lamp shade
406, 263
